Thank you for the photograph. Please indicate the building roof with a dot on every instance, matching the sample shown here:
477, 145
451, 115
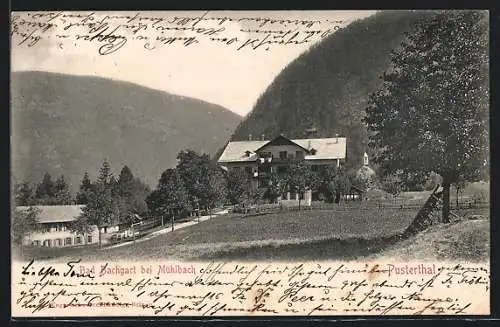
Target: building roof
56, 214
326, 148
235, 151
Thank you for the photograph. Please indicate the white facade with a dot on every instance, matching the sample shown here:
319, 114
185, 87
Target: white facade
260, 157
53, 229
62, 237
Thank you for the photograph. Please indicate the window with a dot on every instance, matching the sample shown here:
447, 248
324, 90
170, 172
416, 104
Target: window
283, 155
266, 155
301, 196
78, 240
59, 242
67, 241
36, 243
89, 239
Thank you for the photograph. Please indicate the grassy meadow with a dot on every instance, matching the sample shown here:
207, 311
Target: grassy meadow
346, 231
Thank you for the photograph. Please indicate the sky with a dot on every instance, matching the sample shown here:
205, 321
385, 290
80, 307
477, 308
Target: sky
210, 71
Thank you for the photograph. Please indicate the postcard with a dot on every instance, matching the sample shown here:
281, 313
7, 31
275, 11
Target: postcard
250, 163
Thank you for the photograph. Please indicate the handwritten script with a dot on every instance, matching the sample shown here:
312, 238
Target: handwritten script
222, 288
109, 33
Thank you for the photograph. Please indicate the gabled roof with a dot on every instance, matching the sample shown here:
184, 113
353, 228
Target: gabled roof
56, 214
235, 151
326, 148
281, 140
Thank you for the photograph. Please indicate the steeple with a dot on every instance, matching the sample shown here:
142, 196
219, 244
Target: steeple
365, 159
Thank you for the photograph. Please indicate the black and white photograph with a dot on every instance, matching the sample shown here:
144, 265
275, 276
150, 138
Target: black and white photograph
222, 135
214, 163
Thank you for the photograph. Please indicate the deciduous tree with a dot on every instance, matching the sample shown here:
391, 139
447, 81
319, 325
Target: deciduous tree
431, 113
236, 184
170, 196
300, 177
24, 221
24, 194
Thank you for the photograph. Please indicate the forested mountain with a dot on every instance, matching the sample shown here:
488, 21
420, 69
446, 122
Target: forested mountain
328, 86
64, 124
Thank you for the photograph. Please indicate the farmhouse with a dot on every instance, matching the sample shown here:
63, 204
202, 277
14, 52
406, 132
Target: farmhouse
264, 156
53, 227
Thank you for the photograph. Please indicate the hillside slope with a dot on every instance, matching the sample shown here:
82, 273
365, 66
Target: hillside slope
67, 124
328, 86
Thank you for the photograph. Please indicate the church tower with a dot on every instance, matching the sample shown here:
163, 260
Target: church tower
365, 159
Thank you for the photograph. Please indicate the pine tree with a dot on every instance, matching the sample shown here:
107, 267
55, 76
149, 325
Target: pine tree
431, 114
45, 190
131, 194
102, 208
62, 193
85, 189
126, 182
105, 175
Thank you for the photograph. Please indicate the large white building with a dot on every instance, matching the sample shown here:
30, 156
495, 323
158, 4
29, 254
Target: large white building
53, 227
257, 157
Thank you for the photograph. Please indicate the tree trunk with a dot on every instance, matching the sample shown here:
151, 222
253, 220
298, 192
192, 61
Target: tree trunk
446, 200
172, 222
457, 197
100, 237
162, 220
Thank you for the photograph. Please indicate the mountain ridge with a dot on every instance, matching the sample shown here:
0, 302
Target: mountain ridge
67, 124
328, 86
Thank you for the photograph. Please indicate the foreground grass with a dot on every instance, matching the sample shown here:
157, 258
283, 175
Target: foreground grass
306, 236
467, 241
249, 233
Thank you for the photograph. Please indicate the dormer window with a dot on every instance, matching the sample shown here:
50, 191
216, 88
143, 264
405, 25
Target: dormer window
313, 151
248, 153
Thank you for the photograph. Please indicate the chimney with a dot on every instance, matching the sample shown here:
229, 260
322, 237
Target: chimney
336, 138
309, 145
249, 137
262, 137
